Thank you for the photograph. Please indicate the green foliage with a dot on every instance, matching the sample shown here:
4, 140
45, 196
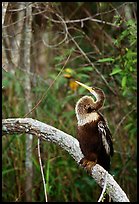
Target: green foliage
109, 59
115, 70
125, 63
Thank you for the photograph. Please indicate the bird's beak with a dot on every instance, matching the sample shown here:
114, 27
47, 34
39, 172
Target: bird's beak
85, 86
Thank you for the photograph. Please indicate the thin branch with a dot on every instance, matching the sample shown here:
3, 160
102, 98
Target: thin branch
104, 189
66, 34
83, 53
45, 93
67, 142
122, 120
92, 64
81, 21
43, 179
69, 21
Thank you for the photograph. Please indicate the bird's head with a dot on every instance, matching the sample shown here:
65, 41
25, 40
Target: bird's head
96, 92
86, 105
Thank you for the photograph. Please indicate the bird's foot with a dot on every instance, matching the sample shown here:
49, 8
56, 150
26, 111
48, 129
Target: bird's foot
88, 165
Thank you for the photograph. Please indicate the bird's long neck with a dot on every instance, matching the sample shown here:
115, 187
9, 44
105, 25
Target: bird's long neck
100, 97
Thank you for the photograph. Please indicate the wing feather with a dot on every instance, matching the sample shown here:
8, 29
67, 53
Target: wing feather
106, 137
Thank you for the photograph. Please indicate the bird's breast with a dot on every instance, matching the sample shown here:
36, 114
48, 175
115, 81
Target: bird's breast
88, 118
88, 138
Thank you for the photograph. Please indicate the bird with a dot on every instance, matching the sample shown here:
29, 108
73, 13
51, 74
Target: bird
93, 133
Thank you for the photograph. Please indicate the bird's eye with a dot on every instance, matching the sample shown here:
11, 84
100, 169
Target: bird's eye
89, 110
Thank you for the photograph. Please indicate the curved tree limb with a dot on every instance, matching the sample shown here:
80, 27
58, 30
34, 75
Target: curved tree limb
67, 142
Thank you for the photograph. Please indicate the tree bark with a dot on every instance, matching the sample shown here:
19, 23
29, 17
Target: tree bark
4, 8
67, 142
25, 63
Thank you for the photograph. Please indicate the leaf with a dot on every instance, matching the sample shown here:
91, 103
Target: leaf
88, 68
124, 79
83, 76
131, 68
59, 58
8, 171
109, 59
128, 126
116, 70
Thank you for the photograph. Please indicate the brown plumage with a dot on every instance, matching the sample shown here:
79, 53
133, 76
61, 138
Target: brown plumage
93, 133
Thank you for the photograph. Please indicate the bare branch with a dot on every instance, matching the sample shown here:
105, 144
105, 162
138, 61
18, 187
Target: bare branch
81, 21
82, 52
66, 34
41, 167
121, 121
45, 93
91, 63
67, 142
104, 189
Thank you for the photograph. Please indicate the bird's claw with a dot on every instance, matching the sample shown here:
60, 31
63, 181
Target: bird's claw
88, 165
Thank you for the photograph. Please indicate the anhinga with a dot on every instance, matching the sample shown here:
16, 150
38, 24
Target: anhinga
93, 133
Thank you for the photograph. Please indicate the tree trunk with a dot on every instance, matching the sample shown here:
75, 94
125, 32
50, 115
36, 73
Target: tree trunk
25, 63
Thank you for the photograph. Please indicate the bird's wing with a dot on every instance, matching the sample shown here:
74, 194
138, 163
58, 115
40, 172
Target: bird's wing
106, 137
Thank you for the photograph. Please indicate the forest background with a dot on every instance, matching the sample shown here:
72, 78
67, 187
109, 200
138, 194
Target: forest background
46, 47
